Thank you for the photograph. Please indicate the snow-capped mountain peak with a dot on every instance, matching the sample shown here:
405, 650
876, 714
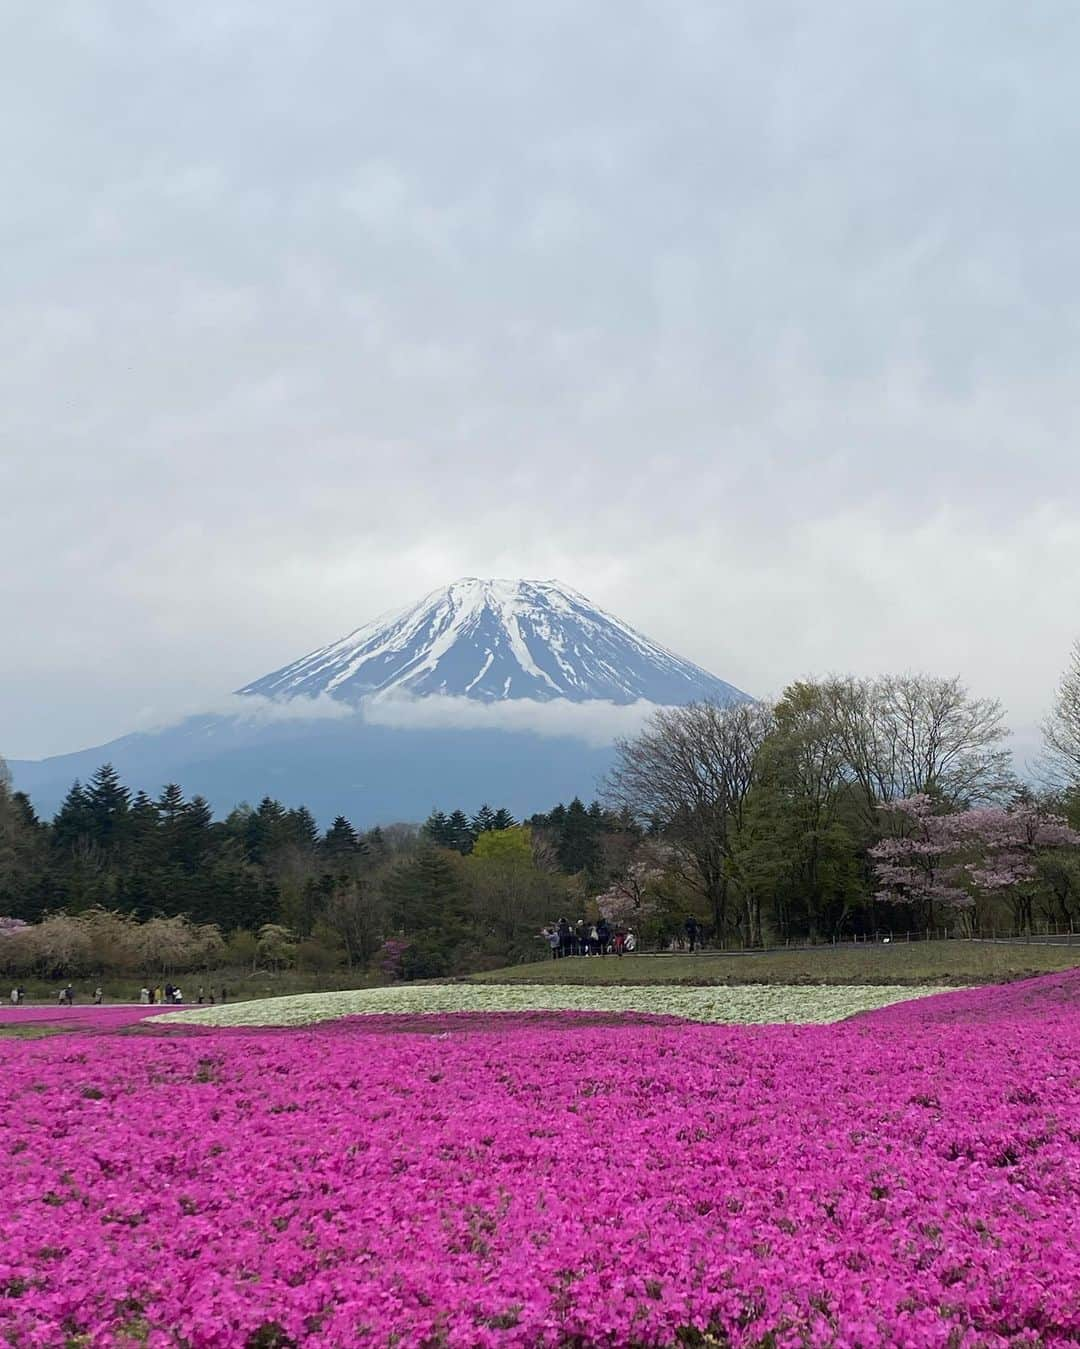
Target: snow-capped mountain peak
493, 640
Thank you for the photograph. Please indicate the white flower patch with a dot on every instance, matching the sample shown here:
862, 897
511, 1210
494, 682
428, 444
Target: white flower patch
749, 1004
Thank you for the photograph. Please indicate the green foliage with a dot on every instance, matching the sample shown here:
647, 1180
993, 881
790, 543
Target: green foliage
513, 844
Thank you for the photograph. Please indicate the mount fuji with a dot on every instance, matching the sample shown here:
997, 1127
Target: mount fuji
497, 690
498, 640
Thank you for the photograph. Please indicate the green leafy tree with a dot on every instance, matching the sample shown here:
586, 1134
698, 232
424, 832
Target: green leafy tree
510, 898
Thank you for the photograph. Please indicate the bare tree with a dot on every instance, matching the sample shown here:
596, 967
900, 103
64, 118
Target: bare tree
689, 773
1061, 729
354, 915
908, 735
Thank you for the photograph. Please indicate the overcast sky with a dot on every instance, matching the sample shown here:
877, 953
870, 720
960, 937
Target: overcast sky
757, 322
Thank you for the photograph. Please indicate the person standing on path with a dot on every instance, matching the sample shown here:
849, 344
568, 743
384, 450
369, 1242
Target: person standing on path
603, 933
693, 933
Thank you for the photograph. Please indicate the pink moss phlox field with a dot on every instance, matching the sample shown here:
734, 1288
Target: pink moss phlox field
909, 1178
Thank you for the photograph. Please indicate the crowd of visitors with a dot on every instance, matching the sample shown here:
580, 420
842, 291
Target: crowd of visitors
588, 939
601, 938
163, 994
170, 994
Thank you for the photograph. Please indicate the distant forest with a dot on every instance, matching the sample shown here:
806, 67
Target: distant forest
457, 892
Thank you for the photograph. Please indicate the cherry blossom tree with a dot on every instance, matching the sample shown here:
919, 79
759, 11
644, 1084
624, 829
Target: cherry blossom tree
932, 859
1010, 843
627, 903
915, 863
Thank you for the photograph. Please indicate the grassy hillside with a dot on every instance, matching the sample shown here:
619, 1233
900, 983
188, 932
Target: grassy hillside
943, 962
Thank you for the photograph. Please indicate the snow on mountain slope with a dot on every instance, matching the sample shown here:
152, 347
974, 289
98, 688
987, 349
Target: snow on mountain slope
496, 640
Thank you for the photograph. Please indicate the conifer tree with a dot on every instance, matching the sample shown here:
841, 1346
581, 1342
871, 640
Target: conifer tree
427, 905
143, 829
577, 846
263, 830
193, 837
437, 828
483, 820
72, 820
503, 819
302, 827
171, 802
108, 802
459, 834
340, 840
375, 843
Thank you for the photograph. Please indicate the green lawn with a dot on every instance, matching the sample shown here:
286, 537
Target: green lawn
241, 984
30, 1032
942, 962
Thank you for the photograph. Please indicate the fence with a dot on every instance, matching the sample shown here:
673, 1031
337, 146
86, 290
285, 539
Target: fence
1042, 935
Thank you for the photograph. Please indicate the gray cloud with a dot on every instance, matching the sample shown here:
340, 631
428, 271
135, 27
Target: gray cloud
757, 323
596, 722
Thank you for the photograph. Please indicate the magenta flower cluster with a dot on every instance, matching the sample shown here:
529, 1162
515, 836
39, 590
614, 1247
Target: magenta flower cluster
908, 1178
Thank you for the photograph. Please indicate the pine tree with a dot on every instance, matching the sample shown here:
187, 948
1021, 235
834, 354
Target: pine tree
143, 809
503, 819
428, 905
171, 802
483, 820
264, 829
437, 828
72, 820
27, 815
340, 840
193, 839
108, 802
375, 844
302, 826
144, 823
577, 845
459, 834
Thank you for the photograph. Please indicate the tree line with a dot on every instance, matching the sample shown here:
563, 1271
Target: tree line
115, 870
851, 806
847, 806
